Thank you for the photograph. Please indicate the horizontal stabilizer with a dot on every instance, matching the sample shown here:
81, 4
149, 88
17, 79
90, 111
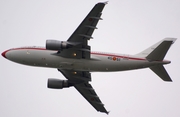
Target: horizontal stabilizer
161, 72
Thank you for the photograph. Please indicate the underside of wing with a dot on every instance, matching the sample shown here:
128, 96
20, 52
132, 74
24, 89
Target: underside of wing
76, 47
82, 34
80, 80
90, 95
86, 28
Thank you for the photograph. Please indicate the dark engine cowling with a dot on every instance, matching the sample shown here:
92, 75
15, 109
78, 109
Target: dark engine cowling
58, 84
56, 45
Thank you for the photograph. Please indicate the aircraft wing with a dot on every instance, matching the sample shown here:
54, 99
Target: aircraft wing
81, 79
82, 34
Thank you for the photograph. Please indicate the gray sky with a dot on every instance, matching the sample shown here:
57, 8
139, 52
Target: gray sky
127, 27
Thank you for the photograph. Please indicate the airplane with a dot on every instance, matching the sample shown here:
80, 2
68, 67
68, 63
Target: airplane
75, 60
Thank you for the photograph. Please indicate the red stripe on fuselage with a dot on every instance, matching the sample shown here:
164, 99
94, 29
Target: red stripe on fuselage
118, 56
95, 53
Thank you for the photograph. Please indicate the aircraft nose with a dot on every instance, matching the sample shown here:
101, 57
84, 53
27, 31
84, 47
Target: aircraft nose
4, 54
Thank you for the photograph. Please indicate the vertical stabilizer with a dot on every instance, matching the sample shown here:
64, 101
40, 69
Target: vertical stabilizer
158, 50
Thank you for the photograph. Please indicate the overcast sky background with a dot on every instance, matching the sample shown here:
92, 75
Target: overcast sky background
128, 26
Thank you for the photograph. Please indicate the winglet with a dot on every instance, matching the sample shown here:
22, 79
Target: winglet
106, 2
107, 112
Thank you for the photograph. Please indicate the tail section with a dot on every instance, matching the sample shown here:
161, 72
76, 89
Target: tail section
157, 52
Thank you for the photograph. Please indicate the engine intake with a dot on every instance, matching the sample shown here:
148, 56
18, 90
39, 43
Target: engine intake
57, 45
58, 84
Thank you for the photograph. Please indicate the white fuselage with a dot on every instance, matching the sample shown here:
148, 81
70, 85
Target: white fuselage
101, 62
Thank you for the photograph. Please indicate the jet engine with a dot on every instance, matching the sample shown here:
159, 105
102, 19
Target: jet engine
58, 84
57, 45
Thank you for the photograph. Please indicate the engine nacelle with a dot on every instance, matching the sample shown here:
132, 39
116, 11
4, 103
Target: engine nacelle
56, 45
58, 84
